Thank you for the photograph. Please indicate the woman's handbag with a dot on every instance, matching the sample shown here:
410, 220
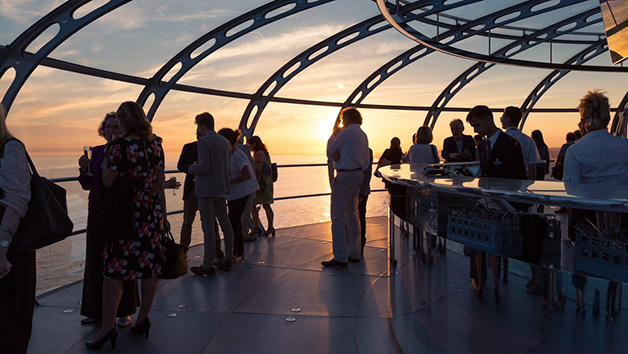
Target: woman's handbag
46, 221
117, 211
175, 263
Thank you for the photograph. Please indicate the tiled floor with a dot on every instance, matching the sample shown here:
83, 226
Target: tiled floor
417, 309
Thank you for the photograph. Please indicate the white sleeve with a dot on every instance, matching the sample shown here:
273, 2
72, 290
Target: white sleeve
15, 177
571, 172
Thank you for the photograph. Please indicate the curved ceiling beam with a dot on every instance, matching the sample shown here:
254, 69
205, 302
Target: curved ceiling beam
469, 29
582, 57
573, 23
617, 119
400, 24
355, 33
63, 16
186, 59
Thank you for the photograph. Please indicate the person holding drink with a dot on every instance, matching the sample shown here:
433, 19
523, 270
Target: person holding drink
90, 179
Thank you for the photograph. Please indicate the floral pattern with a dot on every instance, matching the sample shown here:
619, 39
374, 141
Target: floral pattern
264, 194
140, 258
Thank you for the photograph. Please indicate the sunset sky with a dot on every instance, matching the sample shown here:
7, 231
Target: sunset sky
57, 112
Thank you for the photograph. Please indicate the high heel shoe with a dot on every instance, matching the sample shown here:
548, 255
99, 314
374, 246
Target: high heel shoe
256, 231
111, 336
270, 231
142, 327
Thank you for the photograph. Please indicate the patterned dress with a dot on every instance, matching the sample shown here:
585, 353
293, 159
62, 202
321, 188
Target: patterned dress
264, 172
140, 258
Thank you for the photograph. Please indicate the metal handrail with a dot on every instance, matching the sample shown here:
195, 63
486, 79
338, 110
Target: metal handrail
180, 211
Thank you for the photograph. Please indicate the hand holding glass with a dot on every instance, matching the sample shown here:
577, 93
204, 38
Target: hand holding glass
87, 152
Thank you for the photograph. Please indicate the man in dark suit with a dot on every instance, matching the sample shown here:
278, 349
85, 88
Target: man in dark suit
500, 157
500, 154
458, 147
188, 156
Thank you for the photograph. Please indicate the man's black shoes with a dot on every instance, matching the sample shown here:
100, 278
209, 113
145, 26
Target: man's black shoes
354, 260
334, 264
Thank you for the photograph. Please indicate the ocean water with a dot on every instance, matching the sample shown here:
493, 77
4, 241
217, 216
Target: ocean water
63, 262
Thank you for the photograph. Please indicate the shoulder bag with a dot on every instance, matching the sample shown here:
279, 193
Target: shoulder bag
46, 221
558, 170
116, 209
175, 263
434, 153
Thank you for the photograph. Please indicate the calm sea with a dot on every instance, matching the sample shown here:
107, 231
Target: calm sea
63, 263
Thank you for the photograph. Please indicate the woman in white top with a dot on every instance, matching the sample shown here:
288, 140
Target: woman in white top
598, 157
243, 187
17, 270
422, 151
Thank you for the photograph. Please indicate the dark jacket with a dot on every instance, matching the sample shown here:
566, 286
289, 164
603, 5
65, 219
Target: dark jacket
506, 160
188, 156
449, 147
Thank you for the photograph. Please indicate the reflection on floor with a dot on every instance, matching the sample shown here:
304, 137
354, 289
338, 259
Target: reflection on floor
420, 309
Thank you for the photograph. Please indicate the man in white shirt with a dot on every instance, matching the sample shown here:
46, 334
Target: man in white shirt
510, 122
349, 149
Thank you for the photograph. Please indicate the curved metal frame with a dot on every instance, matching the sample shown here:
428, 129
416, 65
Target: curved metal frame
23, 64
221, 36
458, 33
15, 56
582, 57
315, 53
401, 25
616, 118
575, 22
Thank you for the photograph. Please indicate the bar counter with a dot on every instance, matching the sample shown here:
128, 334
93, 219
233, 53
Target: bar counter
595, 197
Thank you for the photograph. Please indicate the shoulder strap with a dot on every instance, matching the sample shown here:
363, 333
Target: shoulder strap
434, 153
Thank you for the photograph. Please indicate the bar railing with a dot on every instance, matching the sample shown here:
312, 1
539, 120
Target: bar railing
180, 211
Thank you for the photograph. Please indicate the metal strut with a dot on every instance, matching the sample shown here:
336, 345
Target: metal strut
355, 33
582, 57
222, 35
455, 34
574, 23
400, 24
63, 16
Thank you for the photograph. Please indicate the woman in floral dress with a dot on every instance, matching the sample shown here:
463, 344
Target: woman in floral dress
264, 196
138, 155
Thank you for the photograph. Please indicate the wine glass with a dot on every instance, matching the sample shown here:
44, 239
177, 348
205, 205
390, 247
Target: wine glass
87, 152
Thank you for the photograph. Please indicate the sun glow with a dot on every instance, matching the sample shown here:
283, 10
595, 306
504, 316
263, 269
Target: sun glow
325, 126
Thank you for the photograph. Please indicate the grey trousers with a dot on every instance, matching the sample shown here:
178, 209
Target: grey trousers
212, 209
345, 219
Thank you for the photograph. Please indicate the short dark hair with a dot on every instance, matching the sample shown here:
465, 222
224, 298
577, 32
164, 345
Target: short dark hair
228, 134
513, 114
205, 119
352, 114
480, 112
571, 136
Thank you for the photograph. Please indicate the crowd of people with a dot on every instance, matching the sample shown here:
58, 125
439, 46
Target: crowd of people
229, 183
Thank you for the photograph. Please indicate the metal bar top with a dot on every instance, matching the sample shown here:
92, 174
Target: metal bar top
582, 196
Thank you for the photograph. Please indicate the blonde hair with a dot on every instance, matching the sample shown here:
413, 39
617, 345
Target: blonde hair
595, 110
4, 131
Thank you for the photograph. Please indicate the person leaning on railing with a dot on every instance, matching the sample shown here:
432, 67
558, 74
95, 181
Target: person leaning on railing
17, 271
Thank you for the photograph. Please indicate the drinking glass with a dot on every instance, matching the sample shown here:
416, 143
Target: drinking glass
87, 152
